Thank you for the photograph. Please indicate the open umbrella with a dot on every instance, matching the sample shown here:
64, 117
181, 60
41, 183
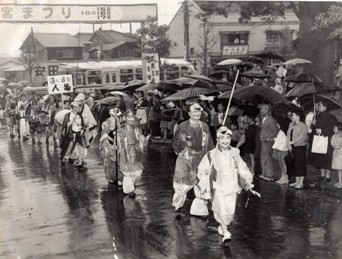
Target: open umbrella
133, 85
338, 114
230, 61
147, 87
200, 77
254, 74
235, 111
255, 60
168, 86
255, 93
112, 87
189, 93
187, 81
314, 87
110, 100
269, 55
219, 72
297, 61
303, 77
126, 98
307, 101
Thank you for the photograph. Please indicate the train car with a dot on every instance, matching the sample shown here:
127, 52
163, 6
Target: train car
89, 76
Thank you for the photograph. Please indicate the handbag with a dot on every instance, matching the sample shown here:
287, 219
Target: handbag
319, 144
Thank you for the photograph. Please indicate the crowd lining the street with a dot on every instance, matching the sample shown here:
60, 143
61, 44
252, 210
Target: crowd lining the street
247, 143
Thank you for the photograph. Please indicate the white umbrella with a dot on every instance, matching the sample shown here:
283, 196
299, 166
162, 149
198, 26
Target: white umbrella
230, 61
297, 61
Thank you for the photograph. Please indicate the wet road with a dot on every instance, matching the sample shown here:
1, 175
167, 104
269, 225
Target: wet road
47, 213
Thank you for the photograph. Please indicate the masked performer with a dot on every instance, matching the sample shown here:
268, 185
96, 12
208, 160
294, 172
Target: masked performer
222, 173
191, 141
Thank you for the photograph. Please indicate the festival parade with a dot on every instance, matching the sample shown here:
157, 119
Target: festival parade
161, 129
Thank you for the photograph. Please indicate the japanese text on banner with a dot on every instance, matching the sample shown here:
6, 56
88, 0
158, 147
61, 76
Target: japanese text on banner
60, 84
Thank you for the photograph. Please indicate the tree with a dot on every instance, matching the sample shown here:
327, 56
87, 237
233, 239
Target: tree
313, 45
153, 39
29, 57
331, 21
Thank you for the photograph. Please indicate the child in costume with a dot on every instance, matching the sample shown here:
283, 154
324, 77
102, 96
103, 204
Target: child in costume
222, 174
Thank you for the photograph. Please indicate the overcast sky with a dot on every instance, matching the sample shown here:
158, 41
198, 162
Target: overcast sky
12, 35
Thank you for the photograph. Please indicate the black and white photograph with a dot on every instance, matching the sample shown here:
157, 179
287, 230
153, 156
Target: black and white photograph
150, 129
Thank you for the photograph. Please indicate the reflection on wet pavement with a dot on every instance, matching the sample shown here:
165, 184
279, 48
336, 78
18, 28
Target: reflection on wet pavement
48, 213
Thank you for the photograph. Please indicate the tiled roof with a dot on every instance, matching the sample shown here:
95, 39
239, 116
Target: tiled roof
84, 37
111, 46
110, 36
54, 40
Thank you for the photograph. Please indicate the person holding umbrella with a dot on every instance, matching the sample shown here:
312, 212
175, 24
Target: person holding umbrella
191, 141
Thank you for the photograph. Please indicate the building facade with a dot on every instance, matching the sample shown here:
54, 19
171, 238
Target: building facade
227, 37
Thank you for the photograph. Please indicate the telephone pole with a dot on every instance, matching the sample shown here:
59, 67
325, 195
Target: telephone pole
186, 30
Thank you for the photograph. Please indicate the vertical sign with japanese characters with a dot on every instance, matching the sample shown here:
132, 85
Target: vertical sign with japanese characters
60, 84
150, 68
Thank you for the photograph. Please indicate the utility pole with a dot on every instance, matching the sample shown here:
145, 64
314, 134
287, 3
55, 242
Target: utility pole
186, 30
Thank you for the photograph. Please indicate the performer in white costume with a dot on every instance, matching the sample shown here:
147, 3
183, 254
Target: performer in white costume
222, 174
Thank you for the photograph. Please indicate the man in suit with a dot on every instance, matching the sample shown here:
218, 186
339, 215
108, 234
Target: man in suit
268, 133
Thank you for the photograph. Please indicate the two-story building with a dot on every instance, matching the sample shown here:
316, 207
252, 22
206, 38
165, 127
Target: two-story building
227, 37
110, 44
43, 52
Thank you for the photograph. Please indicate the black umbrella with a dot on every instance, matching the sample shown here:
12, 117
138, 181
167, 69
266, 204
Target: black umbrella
256, 93
314, 87
307, 101
254, 74
303, 77
255, 60
269, 55
189, 93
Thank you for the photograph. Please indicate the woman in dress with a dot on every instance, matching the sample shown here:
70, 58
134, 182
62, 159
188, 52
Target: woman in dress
297, 135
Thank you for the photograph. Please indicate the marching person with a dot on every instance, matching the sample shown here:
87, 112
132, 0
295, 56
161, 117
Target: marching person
222, 174
108, 146
22, 117
36, 119
71, 135
268, 133
191, 141
90, 129
131, 146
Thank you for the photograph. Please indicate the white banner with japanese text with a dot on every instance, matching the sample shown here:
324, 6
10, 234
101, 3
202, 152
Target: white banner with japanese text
60, 84
150, 68
53, 13
233, 50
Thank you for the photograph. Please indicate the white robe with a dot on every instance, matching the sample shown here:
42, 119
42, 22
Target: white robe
229, 166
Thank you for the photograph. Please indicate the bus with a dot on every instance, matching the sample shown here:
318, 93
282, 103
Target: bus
90, 76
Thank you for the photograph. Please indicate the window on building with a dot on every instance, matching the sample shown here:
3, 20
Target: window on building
234, 38
59, 53
53, 70
126, 75
273, 37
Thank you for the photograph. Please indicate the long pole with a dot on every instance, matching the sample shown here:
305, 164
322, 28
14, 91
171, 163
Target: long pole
186, 30
226, 114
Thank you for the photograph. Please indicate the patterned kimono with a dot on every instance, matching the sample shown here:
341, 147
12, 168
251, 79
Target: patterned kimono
107, 143
131, 147
185, 177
